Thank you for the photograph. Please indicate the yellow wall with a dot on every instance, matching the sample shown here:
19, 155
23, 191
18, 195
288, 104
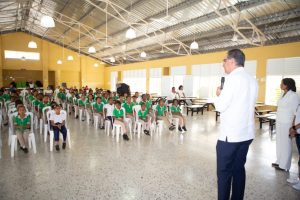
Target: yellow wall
77, 73
260, 54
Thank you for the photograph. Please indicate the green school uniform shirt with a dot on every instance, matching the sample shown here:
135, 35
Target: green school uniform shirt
143, 114
62, 96
43, 105
175, 109
36, 102
118, 113
128, 107
81, 103
99, 107
161, 110
105, 101
22, 122
6, 97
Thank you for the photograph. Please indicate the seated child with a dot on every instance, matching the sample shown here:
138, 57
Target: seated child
58, 120
118, 115
144, 118
98, 111
108, 111
162, 114
176, 113
128, 105
22, 124
81, 106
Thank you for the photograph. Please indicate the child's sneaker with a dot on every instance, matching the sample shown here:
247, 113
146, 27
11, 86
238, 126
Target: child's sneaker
64, 145
125, 137
57, 147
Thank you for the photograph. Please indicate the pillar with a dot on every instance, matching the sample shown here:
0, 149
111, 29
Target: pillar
45, 63
57, 78
1, 62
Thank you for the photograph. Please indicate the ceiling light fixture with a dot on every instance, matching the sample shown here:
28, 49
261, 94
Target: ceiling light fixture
47, 22
130, 33
32, 45
143, 54
194, 45
59, 62
96, 65
70, 58
92, 49
112, 59
234, 37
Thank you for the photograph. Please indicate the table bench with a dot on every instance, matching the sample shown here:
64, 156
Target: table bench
195, 108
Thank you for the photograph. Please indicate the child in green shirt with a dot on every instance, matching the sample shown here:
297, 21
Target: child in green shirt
176, 113
144, 118
162, 114
81, 106
118, 116
128, 105
22, 127
98, 111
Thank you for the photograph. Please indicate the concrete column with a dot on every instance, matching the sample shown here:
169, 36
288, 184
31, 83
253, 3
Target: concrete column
1, 62
45, 63
57, 78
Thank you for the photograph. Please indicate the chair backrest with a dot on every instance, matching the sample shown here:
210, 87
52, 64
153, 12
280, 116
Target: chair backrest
136, 110
10, 119
44, 110
124, 112
65, 113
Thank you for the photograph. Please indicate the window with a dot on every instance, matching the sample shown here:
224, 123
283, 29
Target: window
177, 74
136, 79
277, 69
113, 81
21, 55
155, 81
207, 77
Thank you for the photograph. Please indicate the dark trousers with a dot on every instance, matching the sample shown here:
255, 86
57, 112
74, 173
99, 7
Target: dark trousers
111, 119
56, 131
231, 159
298, 147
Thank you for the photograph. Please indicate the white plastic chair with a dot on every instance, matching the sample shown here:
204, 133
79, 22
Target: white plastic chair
137, 124
68, 133
46, 117
117, 130
31, 139
160, 123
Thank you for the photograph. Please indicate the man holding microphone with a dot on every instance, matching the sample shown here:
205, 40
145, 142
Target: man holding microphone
235, 101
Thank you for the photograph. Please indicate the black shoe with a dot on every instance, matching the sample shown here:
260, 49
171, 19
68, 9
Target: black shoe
76, 117
102, 127
280, 169
125, 137
146, 132
184, 128
63, 145
70, 113
25, 150
57, 147
275, 165
179, 128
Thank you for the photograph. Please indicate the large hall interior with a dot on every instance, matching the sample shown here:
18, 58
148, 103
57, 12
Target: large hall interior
119, 99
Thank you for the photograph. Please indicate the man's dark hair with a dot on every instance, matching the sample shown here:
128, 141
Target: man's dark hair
290, 83
237, 55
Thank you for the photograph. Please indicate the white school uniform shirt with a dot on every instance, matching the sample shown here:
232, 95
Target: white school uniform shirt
297, 118
236, 105
173, 96
181, 93
286, 107
57, 118
109, 109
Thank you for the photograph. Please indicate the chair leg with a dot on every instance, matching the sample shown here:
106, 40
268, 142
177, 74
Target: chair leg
41, 126
45, 132
32, 141
117, 131
51, 140
12, 145
69, 138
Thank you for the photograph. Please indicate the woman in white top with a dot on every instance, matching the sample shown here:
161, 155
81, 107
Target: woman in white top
58, 120
181, 92
286, 108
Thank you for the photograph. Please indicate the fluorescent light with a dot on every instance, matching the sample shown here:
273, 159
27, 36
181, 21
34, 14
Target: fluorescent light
92, 49
112, 59
143, 54
47, 22
235, 37
59, 62
70, 58
124, 58
130, 33
194, 45
96, 65
32, 45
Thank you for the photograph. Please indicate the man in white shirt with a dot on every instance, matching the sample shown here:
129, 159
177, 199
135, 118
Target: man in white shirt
236, 103
173, 95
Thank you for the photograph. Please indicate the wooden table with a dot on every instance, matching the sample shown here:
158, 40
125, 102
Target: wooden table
265, 118
184, 99
260, 112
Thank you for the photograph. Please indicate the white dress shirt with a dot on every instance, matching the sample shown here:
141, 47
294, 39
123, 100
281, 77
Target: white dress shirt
236, 105
173, 95
297, 118
109, 109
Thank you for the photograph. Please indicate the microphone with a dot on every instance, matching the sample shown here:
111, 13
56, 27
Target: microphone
222, 82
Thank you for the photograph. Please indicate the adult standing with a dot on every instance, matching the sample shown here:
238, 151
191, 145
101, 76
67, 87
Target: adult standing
286, 108
236, 103
173, 95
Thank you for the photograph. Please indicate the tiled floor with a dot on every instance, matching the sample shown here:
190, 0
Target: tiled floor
170, 166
